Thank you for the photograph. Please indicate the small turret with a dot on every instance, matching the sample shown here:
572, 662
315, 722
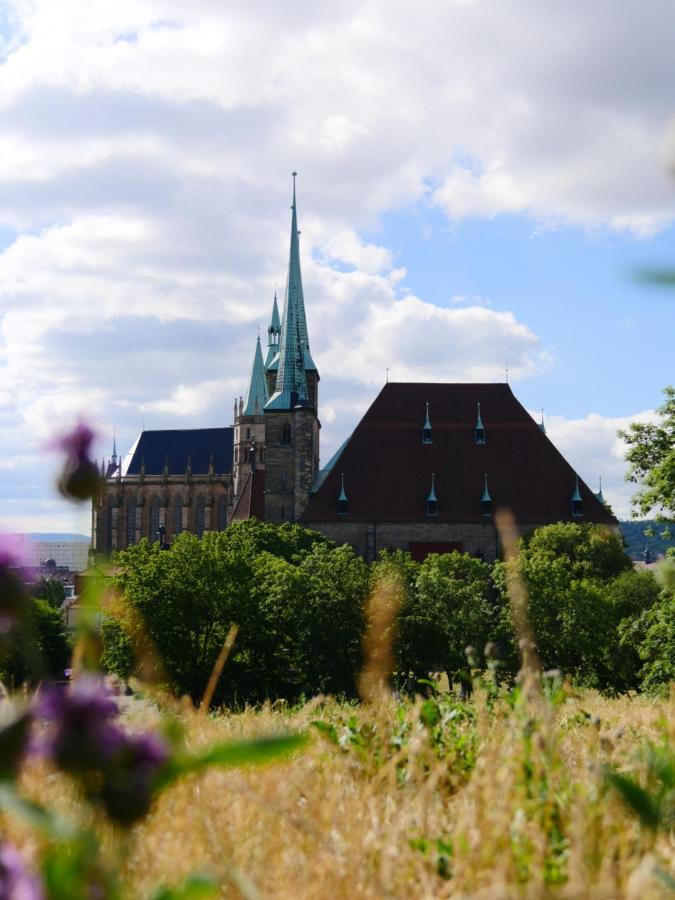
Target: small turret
577, 510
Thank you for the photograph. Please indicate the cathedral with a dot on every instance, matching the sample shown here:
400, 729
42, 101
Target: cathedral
423, 471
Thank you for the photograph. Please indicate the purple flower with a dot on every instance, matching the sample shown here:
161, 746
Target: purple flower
82, 732
16, 882
80, 479
129, 779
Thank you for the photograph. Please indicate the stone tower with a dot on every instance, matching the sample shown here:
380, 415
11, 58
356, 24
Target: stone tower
291, 413
249, 425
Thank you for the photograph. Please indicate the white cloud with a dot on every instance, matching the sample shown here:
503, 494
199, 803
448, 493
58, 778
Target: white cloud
143, 167
594, 449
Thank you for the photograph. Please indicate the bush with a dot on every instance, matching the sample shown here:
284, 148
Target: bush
36, 647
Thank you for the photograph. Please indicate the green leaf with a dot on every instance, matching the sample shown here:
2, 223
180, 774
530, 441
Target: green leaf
226, 756
196, 887
327, 729
640, 801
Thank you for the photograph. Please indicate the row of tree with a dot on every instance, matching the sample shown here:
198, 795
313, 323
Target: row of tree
299, 603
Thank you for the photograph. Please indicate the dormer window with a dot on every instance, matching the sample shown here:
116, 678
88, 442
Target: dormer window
486, 500
577, 510
432, 499
343, 502
286, 433
480, 428
427, 434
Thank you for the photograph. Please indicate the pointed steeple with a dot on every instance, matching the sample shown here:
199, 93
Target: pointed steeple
256, 396
113, 458
294, 355
542, 427
273, 334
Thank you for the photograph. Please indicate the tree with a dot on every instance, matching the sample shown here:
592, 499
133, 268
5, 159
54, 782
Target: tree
452, 606
299, 612
50, 590
580, 587
37, 646
651, 459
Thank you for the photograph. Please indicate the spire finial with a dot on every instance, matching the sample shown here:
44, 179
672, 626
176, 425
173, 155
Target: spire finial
295, 175
114, 453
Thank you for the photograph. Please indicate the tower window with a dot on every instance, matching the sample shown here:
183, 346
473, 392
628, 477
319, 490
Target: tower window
286, 433
178, 516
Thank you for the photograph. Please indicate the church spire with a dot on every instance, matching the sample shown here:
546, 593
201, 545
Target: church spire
256, 396
294, 355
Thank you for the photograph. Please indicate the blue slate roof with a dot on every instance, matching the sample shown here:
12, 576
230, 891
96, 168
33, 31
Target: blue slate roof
152, 448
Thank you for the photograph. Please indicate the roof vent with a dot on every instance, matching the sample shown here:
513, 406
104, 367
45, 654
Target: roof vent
427, 434
480, 428
577, 511
486, 500
342, 497
432, 499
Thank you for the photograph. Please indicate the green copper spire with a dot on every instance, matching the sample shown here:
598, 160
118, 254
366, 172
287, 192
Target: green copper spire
600, 495
343, 495
576, 500
480, 428
256, 396
275, 324
432, 493
294, 355
273, 333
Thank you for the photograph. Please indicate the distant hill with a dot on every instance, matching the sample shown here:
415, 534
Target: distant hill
633, 532
56, 536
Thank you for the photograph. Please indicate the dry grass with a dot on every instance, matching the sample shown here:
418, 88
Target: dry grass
338, 822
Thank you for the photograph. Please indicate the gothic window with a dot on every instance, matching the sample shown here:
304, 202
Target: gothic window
222, 512
260, 454
153, 519
236, 454
248, 434
177, 515
199, 516
131, 521
286, 433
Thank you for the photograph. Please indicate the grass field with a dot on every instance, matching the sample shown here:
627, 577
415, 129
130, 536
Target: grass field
501, 796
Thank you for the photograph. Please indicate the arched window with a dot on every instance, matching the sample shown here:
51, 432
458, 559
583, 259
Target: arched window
131, 521
199, 515
222, 512
248, 434
153, 519
286, 433
177, 515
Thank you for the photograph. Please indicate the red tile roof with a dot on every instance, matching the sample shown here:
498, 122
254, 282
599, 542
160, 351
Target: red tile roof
387, 469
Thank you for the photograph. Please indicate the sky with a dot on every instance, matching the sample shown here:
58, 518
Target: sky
480, 186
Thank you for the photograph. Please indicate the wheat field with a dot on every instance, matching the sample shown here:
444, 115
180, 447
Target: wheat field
423, 798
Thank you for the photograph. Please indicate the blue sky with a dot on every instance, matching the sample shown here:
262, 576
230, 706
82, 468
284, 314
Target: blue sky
610, 333
479, 184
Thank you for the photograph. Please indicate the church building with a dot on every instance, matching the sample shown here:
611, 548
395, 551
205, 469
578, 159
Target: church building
424, 470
